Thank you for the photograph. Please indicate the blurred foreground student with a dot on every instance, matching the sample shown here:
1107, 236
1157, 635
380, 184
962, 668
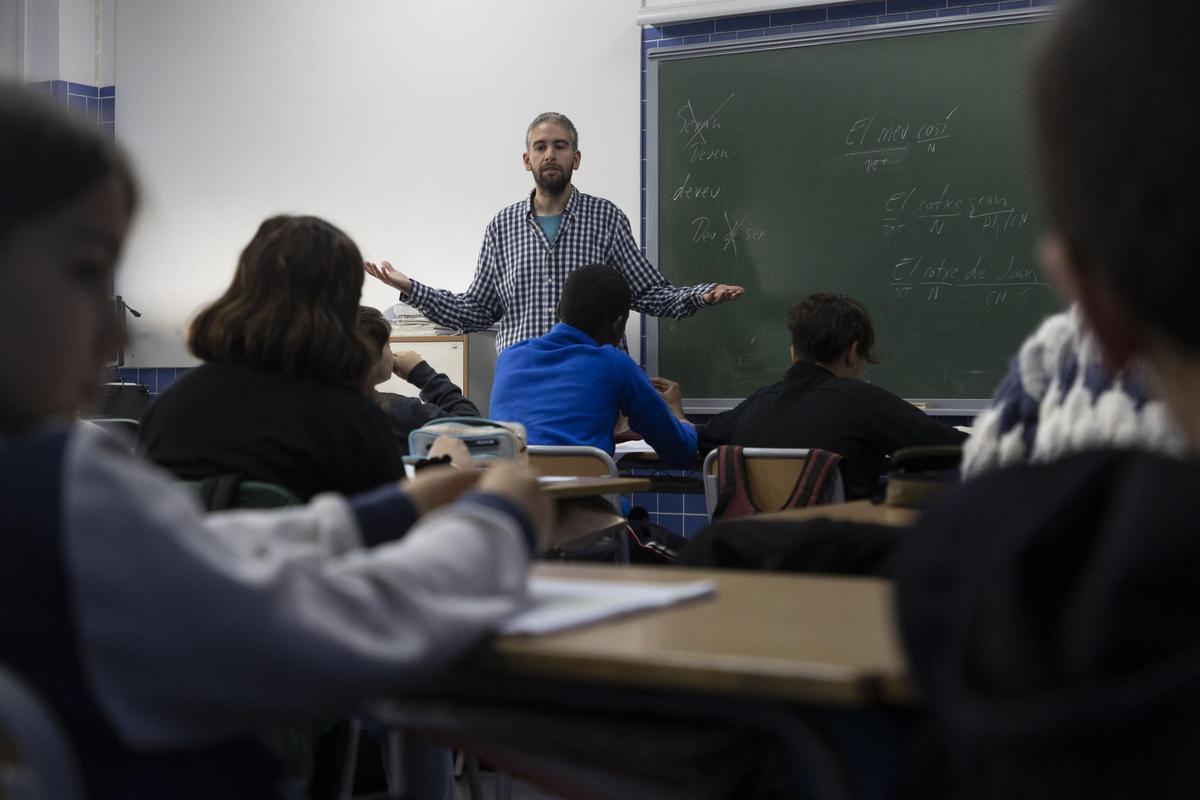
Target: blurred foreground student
161, 637
822, 401
569, 386
439, 396
279, 397
1049, 612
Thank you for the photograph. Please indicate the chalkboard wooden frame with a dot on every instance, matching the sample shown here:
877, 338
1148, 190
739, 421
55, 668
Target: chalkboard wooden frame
958, 407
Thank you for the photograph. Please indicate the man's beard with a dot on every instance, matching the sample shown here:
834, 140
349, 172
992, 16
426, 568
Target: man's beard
555, 182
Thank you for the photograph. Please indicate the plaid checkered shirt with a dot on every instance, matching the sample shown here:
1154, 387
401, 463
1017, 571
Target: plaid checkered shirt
520, 275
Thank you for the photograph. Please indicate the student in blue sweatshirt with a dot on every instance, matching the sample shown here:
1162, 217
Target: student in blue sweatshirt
160, 637
569, 386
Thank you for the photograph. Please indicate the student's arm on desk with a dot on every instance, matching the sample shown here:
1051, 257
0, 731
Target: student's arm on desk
673, 439
899, 423
719, 430
189, 633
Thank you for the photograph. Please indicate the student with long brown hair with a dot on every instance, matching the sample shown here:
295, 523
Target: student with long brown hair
279, 397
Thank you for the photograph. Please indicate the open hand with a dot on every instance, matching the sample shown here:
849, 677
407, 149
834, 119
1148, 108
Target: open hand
389, 275
719, 294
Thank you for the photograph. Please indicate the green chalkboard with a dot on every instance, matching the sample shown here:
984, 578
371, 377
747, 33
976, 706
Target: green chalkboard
890, 165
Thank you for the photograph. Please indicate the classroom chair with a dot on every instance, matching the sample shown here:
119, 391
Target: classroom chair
223, 492
580, 461
771, 475
36, 760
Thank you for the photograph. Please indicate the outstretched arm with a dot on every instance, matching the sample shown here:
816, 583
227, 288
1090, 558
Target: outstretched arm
652, 292
475, 309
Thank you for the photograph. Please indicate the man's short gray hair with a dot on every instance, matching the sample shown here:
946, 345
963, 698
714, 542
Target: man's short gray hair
558, 119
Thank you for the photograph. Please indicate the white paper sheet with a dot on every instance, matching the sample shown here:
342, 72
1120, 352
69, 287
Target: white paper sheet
561, 603
634, 446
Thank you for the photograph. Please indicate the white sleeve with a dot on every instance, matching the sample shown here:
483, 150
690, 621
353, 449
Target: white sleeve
194, 627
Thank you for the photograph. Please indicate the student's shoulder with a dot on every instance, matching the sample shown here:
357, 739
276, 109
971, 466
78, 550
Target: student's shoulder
1102, 493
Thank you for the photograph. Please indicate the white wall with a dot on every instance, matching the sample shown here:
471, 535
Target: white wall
12, 34
402, 122
67, 40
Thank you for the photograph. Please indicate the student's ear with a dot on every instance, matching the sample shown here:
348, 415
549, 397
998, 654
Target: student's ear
792, 353
618, 329
1115, 328
525, 161
575, 161
851, 357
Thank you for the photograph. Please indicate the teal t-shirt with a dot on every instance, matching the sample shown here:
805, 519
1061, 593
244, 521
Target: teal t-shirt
550, 226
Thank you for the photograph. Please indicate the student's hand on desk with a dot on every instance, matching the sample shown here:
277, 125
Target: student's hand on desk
389, 275
436, 486
520, 486
404, 362
672, 394
719, 294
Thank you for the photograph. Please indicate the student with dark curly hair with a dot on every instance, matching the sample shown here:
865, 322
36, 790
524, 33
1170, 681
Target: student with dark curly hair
822, 401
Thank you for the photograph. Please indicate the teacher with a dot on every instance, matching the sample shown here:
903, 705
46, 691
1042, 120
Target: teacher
531, 247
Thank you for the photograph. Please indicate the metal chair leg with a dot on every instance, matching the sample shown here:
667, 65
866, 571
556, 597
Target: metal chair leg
346, 789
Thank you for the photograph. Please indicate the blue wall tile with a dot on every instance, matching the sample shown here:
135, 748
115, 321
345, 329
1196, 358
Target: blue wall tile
165, 377
837, 23
901, 6
799, 16
1013, 5
857, 10
859, 21
82, 89
694, 504
650, 34
668, 43
693, 525
699, 39
888, 18
108, 91
723, 37
690, 28
749, 34
646, 500
743, 22
778, 30
915, 15
670, 503
672, 522
78, 104
985, 8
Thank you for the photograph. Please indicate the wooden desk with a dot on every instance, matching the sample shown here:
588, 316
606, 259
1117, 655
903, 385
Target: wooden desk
589, 487
856, 511
589, 713
768, 636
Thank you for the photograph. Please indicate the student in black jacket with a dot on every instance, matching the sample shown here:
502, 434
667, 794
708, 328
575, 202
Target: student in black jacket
280, 396
439, 396
1049, 611
821, 402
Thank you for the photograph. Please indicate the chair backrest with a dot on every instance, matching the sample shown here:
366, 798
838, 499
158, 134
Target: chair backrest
36, 761
578, 461
771, 475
